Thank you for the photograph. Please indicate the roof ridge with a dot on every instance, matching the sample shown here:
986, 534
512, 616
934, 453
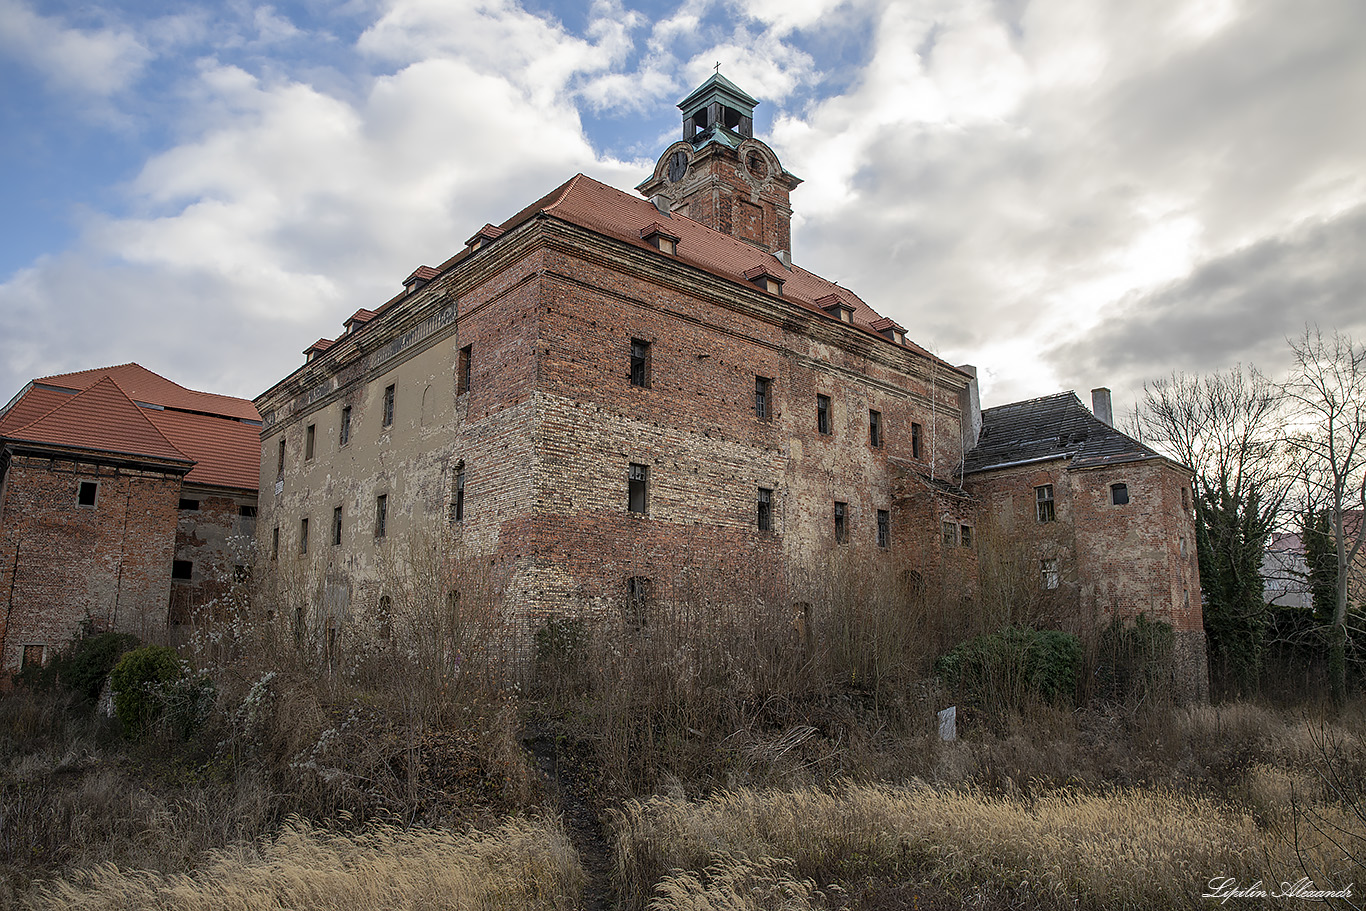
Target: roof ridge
89, 391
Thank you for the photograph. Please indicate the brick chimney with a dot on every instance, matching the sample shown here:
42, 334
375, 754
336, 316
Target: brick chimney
1100, 405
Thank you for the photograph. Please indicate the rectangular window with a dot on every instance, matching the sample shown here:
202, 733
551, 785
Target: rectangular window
381, 514
310, 434
916, 437
462, 370
965, 535
823, 413
275, 543
640, 363
458, 495
280, 461
187, 505
336, 526
182, 569
950, 533
345, 436
875, 428
765, 509
1049, 577
33, 655
247, 512
637, 601
303, 536
841, 523
1043, 503
85, 493
388, 406
884, 528
637, 487
763, 409
1119, 494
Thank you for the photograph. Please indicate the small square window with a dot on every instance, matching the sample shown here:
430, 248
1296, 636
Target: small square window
765, 509
823, 413
381, 514
965, 535
917, 435
310, 434
949, 531
303, 536
884, 528
763, 406
1119, 494
637, 487
841, 523
388, 406
1049, 576
336, 526
1043, 503
182, 569
246, 511
640, 363
187, 505
85, 493
875, 429
462, 370
345, 436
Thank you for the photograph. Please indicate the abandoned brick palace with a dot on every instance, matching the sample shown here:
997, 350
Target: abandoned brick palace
606, 387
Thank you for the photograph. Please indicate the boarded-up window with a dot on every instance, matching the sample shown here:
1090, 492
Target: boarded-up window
1119, 494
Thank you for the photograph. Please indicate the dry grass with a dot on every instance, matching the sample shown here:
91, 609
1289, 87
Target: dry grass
1130, 848
524, 864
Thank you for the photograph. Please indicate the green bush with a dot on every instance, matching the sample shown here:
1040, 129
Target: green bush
999, 671
141, 682
83, 665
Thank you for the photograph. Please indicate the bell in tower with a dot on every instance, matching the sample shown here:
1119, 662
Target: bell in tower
723, 177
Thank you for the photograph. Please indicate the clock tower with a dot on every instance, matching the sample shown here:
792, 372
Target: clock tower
723, 177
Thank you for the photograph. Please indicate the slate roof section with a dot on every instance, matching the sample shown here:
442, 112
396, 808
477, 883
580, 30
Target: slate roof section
130, 411
1051, 427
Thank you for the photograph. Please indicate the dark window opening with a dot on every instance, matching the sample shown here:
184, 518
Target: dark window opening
462, 370
381, 514
310, 434
762, 408
637, 487
841, 523
280, 462
187, 505
336, 526
247, 511
458, 495
765, 509
640, 363
638, 593
182, 569
884, 528
965, 535
875, 428
275, 543
85, 493
388, 406
949, 531
303, 536
916, 437
1043, 503
345, 425
33, 655
1119, 494
823, 413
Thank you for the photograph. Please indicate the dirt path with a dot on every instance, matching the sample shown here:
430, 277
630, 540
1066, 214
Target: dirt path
569, 788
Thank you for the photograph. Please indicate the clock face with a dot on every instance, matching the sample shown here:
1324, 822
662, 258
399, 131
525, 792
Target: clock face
757, 166
678, 166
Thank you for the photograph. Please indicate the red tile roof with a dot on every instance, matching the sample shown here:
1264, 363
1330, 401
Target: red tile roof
99, 410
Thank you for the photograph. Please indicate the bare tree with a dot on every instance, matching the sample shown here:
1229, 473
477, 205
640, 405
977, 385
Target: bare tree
1327, 390
1227, 427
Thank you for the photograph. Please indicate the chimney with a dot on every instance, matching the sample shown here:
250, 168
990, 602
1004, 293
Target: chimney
970, 403
1100, 405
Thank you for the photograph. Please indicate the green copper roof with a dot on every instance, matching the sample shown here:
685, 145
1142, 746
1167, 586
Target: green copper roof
718, 88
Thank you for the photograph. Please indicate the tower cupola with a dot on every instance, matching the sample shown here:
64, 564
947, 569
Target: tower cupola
717, 103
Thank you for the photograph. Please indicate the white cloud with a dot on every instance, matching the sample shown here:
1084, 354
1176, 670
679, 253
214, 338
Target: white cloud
95, 61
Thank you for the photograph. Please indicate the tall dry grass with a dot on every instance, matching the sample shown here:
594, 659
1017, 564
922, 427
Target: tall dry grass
523, 865
1136, 848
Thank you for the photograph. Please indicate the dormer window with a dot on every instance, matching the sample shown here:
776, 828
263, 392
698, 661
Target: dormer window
421, 275
483, 237
316, 349
659, 237
836, 307
767, 278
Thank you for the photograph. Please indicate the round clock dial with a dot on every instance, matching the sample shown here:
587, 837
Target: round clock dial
678, 166
757, 166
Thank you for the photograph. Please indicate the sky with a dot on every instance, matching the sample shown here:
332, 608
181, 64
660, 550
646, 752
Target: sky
1064, 193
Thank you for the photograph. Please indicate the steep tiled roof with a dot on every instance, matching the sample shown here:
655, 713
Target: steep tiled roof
218, 433
1054, 426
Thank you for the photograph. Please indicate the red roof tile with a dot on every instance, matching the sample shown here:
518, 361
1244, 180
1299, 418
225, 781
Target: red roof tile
101, 418
142, 385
